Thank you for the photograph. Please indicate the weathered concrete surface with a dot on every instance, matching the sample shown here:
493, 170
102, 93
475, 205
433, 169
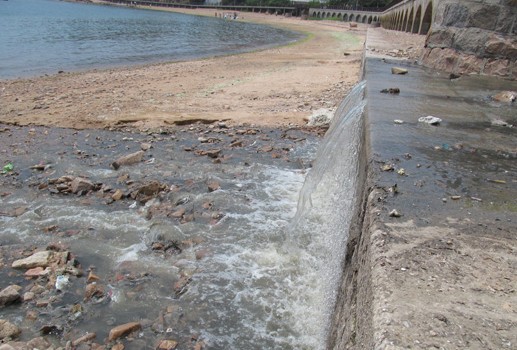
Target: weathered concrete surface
474, 36
442, 275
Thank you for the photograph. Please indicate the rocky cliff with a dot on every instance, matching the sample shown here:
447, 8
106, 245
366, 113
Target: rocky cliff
474, 37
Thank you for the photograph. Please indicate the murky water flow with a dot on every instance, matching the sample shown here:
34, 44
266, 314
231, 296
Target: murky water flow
237, 271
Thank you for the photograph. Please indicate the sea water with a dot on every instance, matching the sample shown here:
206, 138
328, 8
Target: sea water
47, 36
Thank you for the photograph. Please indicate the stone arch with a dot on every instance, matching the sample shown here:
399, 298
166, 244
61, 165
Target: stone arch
416, 22
345, 17
339, 16
363, 20
370, 19
358, 18
375, 19
404, 21
427, 19
410, 21
328, 14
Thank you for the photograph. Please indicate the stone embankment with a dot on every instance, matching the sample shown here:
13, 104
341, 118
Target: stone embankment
432, 262
474, 37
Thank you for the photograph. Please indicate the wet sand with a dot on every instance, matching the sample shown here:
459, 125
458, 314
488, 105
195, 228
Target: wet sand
278, 86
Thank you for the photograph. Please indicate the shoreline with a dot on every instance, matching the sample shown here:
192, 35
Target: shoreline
277, 86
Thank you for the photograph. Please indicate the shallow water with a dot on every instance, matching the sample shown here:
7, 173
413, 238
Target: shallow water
251, 285
46, 36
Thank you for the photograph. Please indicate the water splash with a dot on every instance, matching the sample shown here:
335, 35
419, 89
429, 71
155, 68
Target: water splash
319, 230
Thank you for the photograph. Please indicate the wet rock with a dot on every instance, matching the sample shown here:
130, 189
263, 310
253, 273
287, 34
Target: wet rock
36, 272
10, 295
398, 70
28, 296
92, 277
499, 122
144, 146
84, 339
178, 213
391, 91
129, 159
38, 259
505, 96
214, 153
123, 330
167, 344
81, 185
145, 192
8, 330
118, 346
430, 120
213, 186
321, 117
118, 195
395, 214
180, 286
266, 149
93, 290
387, 167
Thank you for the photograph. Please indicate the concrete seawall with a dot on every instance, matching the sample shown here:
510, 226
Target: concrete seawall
432, 254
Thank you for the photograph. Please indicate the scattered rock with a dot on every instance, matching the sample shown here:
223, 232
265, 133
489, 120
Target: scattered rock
123, 330
321, 117
499, 122
38, 259
144, 146
118, 195
178, 213
387, 167
129, 159
213, 186
85, 338
398, 121
167, 345
505, 96
8, 330
398, 70
430, 120
395, 214
9, 295
81, 185
93, 290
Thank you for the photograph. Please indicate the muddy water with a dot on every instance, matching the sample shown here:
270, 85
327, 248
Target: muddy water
223, 274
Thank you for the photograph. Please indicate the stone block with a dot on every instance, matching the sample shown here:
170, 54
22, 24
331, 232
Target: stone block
497, 67
469, 64
455, 15
498, 46
441, 37
483, 16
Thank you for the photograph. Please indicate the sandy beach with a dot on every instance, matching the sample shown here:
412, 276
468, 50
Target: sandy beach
278, 86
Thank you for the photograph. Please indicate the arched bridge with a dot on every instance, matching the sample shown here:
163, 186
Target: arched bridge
413, 16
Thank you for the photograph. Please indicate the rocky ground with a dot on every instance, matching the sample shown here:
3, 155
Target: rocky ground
50, 291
